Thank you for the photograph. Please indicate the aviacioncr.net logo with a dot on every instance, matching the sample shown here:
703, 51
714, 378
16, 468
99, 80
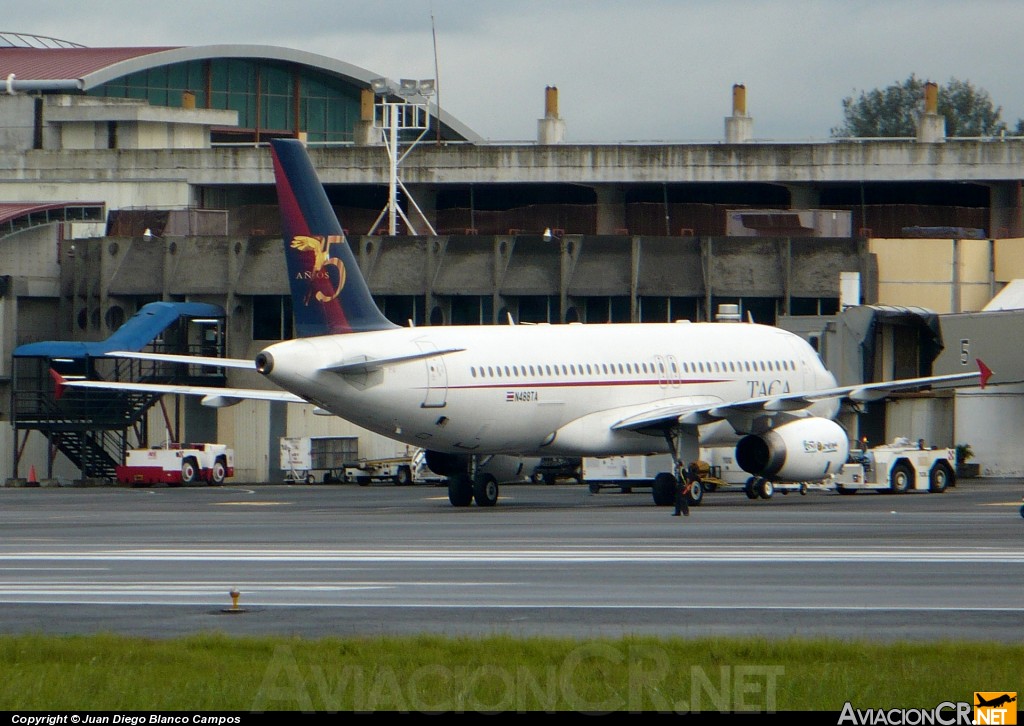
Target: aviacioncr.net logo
995, 707
946, 713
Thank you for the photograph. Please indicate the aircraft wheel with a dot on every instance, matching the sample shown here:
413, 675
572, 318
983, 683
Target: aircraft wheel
460, 490
765, 489
901, 478
939, 477
219, 473
664, 489
189, 471
750, 488
485, 490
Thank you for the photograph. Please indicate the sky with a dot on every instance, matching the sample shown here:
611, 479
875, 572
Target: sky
644, 70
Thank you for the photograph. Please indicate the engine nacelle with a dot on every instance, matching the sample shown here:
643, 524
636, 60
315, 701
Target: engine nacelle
808, 449
444, 464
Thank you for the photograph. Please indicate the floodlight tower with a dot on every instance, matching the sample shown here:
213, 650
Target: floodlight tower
410, 115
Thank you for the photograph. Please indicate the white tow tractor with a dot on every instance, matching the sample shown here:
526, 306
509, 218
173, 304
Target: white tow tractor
897, 467
177, 464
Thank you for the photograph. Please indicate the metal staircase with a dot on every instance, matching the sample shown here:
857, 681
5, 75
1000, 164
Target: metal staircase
94, 428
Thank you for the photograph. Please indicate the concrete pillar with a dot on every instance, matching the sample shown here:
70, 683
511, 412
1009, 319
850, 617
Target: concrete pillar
551, 128
426, 199
611, 210
363, 132
739, 127
931, 129
1005, 210
803, 197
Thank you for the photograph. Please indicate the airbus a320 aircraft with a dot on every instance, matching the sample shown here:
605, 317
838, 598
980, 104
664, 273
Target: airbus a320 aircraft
465, 392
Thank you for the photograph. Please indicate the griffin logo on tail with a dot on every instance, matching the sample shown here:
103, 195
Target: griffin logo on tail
320, 247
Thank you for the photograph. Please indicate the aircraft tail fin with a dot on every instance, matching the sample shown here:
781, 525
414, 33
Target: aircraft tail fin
329, 293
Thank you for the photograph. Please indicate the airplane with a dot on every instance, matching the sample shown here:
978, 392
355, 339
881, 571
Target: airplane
995, 702
464, 393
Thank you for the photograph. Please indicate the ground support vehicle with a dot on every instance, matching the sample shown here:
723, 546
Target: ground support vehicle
897, 467
305, 458
550, 469
628, 472
716, 470
177, 464
408, 468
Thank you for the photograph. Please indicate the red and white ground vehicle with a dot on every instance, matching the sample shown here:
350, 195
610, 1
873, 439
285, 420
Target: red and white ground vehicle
178, 464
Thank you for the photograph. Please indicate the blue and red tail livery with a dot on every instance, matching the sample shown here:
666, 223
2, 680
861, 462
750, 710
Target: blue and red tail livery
329, 294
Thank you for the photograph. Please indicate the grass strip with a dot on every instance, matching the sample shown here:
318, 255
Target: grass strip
492, 674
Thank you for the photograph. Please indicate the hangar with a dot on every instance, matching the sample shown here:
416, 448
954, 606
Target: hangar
138, 177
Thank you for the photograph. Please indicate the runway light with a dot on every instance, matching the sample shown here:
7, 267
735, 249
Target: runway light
235, 594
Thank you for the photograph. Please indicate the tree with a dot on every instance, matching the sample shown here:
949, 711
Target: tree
894, 111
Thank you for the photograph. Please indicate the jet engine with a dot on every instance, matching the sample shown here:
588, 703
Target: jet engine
444, 464
807, 449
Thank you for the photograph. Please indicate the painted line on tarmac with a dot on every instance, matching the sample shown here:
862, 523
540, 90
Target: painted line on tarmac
216, 598
248, 504
957, 555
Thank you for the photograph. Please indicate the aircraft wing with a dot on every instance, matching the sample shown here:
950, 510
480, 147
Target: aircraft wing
212, 396
686, 412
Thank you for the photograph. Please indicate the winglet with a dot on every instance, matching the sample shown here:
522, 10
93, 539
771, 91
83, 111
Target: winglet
985, 371
58, 384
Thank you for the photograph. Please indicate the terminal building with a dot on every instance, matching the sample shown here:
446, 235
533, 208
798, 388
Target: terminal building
141, 175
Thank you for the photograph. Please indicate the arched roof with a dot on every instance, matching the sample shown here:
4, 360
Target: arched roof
93, 67
19, 215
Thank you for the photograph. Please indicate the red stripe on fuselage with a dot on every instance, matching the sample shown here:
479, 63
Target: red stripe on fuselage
585, 384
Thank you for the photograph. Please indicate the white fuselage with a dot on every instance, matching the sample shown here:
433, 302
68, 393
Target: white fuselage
539, 390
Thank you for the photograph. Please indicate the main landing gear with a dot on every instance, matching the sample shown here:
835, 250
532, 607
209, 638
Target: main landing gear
466, 480
683, 448
464, 487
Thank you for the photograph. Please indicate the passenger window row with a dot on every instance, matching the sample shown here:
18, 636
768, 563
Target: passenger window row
553, 370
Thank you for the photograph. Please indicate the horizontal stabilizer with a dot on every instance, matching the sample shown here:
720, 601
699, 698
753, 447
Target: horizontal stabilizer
198, 360
371, 364
216, 396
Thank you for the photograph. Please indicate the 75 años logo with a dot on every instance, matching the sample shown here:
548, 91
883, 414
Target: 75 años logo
320, 247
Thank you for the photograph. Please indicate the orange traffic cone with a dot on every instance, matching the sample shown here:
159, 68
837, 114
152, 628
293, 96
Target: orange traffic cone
32, 475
